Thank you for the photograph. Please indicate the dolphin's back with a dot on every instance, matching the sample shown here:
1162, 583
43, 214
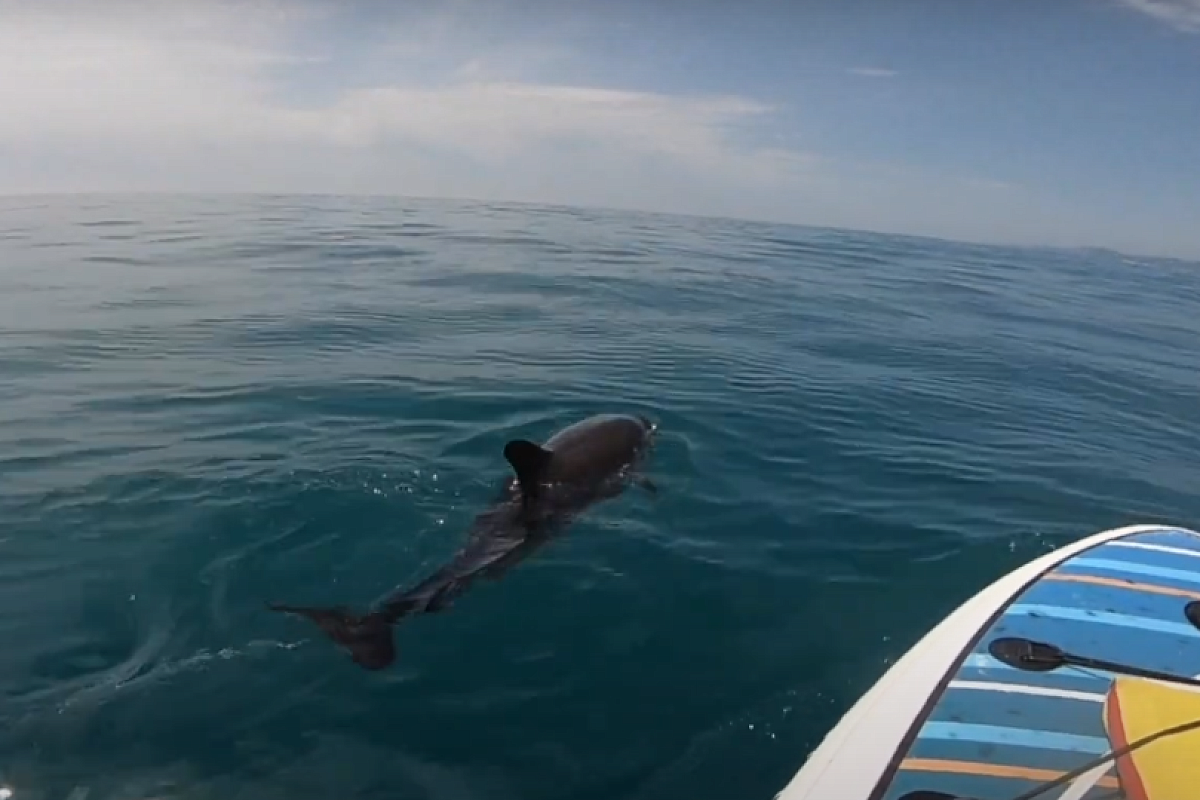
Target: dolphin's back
595, 449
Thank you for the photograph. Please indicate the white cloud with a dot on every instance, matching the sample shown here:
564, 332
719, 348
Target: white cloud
873, 72
191, 95
176, 70
1182, 15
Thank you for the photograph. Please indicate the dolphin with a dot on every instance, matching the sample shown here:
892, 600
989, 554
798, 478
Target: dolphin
585, 463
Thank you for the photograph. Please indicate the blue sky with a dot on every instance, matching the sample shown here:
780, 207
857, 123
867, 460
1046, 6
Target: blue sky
1071, 122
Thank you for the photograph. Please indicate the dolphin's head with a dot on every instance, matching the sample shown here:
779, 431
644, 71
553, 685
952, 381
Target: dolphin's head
651, 431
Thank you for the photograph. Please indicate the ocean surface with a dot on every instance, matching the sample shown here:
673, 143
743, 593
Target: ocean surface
208, 403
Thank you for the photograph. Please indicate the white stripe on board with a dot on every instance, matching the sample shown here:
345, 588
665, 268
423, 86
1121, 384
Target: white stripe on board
1020, 688
1160, 548
1085, 783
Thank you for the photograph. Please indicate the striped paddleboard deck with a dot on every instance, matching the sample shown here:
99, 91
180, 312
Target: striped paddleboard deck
958, 717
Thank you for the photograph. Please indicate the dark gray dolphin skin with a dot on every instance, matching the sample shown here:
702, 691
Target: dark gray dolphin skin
588, 462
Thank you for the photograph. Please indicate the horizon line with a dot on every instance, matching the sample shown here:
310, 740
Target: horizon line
815, 226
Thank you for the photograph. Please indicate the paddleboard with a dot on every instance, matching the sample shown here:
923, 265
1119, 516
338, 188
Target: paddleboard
1073, 677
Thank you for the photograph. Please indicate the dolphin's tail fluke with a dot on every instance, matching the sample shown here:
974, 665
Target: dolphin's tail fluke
367, 637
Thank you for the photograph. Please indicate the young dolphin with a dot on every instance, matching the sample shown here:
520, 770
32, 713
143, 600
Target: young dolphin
553, 483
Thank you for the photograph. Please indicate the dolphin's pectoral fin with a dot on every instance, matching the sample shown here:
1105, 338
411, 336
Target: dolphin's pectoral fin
529, 461
645, 483
443, 598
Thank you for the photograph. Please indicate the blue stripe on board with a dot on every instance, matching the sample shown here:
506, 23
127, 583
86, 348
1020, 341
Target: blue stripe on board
1017, 753
1089, 616
1001, 706
981, 666
1190, 577
984, 666
1072, 679
1130, 600
1141, 642
1017, 737
1170, 538
1148, 649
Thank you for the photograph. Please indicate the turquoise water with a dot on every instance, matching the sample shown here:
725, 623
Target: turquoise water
209, 403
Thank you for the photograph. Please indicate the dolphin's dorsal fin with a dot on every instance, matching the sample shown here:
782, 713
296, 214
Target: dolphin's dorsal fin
529, 462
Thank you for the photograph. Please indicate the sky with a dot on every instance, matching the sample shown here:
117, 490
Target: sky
1059, 122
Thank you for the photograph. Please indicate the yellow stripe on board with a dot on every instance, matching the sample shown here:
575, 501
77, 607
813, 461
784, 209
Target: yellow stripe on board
992, 771
1121, 583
